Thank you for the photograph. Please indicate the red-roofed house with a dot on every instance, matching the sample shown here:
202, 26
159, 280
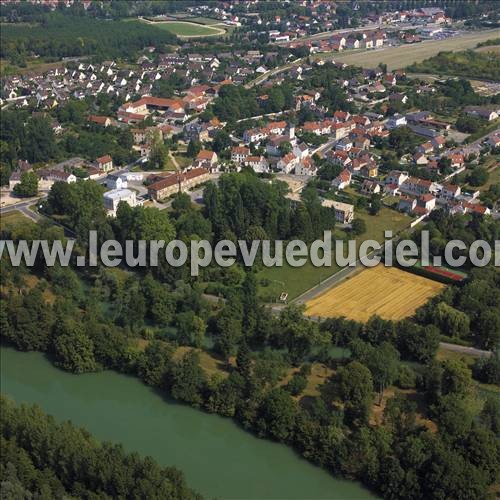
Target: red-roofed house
207, 159
105, 163
239, 154
105, 121
342, 180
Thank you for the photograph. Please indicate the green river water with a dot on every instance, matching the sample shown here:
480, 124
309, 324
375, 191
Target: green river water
219, 459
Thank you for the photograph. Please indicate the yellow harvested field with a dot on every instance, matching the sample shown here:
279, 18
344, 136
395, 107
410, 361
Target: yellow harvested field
404, 55
386, 291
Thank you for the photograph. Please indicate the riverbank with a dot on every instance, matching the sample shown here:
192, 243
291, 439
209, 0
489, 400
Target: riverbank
218, 458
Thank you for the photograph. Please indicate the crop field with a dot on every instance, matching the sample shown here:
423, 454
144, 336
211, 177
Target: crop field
404, 55
386, 291
184, 29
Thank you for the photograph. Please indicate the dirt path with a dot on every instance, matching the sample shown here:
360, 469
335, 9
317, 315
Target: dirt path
174, 161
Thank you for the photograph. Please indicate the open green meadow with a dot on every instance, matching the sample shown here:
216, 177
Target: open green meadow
186, 29
295, 281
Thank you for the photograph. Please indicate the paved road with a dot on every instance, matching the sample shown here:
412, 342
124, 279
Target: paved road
472, 351
262, 78
24, 208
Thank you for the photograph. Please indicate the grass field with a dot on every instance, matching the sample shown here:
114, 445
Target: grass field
490, 48
13, 218
295, 281
387, 291
400, 57
184, 29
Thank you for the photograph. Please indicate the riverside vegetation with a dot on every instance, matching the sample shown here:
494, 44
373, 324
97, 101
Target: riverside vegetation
152, 324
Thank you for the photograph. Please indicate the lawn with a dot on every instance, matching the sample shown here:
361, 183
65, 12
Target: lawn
295, 281
490, 48
404, 55
14, 218
185, 29
494, 175
386, 291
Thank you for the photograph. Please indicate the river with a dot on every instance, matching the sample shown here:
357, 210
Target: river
219, 459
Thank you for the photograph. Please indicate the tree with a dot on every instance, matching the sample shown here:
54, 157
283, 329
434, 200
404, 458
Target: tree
478, 176
153, 366
490, 414
358, 227
221, 141
297, 384
159, 152
228, 328
188, 379
28, 186
285, 148
355, 389
382, 361
468, 124
451, 321
74, 351
190, 328
417, 342
487, 330
194, 147
456, 377
244, 359
375, 204
277, 414
39, 144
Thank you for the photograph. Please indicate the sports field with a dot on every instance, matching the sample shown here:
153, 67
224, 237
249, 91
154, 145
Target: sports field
404, 55
184, 29
386, 291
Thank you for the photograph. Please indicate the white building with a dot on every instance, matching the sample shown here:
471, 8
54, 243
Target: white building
114, 197
116, 181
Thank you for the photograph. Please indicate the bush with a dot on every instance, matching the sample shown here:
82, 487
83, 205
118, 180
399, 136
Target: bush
297, 384
406, 378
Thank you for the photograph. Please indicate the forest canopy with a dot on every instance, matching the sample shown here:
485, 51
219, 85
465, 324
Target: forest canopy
70, 36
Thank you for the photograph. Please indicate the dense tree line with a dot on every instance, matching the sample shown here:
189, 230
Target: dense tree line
31, 138
57, 35
93, 319
243, 207
467, 63
43, 459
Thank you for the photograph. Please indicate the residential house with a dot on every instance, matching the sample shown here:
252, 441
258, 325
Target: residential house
306, 167
407, 204
256, 163
344, 213
486, 113
427, 202
396, 177
417, 187
239, 154
369, 170
116, 181
457, 160
105, 163
395, 121
450, 191
104, 121
370, 187
206, 159
342, 180
287, 163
